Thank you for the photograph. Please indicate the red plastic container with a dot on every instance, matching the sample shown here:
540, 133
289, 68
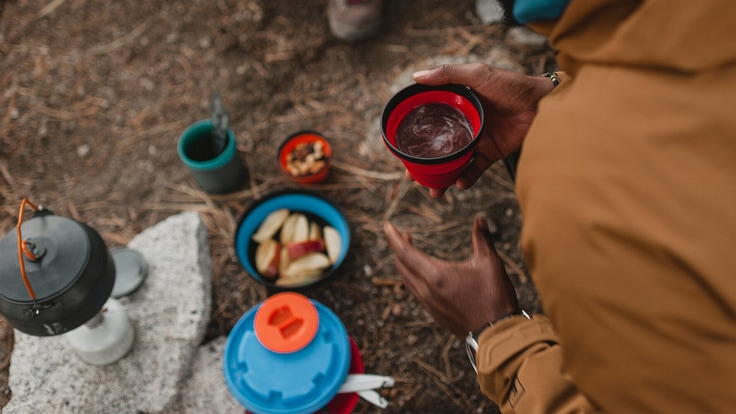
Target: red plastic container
345, 403
291, 143
438, 172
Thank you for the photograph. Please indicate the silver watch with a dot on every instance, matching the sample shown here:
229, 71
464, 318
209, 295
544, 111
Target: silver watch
471, 341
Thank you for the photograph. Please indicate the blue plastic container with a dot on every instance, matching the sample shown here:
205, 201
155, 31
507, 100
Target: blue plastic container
303, 381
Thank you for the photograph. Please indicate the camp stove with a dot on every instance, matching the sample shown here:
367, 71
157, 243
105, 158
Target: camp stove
56, 278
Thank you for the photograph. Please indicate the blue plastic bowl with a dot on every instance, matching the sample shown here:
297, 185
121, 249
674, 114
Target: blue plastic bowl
313, 205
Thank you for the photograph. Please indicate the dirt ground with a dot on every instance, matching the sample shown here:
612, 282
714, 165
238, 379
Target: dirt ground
95, 95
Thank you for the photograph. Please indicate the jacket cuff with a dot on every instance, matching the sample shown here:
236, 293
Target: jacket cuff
503, 347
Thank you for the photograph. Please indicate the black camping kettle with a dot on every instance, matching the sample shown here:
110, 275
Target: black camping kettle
65, 278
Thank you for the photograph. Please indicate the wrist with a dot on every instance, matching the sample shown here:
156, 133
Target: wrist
471, 341
516, 312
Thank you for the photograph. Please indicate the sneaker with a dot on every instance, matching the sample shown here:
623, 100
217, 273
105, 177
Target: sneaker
354, 20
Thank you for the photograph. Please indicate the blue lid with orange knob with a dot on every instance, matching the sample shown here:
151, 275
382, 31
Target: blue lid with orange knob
288, 354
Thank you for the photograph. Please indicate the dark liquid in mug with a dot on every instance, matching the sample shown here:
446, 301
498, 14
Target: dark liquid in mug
203, 149
433, 130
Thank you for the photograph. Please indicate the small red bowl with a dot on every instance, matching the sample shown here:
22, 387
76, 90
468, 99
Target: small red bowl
304, 157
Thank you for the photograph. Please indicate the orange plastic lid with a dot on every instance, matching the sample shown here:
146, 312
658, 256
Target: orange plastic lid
286, 322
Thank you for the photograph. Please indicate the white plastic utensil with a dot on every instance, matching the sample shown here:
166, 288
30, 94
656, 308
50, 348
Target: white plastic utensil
365, 386
362, 382
374, 398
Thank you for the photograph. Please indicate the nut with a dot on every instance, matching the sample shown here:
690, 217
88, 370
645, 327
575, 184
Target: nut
306, 159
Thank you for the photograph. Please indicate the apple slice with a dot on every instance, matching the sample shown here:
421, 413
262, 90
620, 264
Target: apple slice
307, 263
285, 260
297, 280
299, 249
333, 243
287, 230
315, 231
268, 255
301, 228
270, 225
306, 273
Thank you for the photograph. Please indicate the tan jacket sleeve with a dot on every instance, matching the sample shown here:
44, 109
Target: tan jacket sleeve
520, 368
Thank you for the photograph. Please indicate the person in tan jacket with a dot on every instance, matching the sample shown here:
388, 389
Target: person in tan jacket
627, 186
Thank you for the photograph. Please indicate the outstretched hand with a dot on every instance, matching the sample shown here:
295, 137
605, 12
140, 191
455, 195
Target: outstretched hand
461, 296
509, 102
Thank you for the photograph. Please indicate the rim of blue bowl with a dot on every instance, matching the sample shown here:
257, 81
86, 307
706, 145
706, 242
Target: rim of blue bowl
245, 246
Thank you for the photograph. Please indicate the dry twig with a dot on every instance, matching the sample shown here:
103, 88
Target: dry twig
116, 44
7, 336
403, 187
49, 8
445, 386
501, 179
376, 175
446, 359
